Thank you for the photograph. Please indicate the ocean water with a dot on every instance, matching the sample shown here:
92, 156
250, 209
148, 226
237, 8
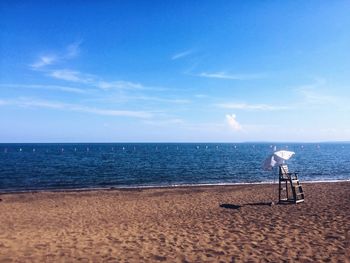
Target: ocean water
72, 166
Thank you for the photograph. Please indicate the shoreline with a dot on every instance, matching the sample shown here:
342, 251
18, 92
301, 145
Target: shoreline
141, 187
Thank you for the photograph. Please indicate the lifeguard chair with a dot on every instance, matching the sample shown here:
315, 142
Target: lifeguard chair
290, 190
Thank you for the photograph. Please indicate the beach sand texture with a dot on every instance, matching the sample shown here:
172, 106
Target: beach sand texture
186, 224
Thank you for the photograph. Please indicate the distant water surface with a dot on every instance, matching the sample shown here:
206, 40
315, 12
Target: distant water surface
71, 166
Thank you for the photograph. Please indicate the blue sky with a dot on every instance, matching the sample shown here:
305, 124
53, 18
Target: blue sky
174, 71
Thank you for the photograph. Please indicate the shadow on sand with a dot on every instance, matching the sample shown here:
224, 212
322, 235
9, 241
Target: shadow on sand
230, 206
235, 207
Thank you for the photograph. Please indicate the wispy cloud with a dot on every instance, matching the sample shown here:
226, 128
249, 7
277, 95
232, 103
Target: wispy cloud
28, 102
107, 112
159, 99
76, 76
314, 93
320, 94
71, 51
245, 106
71, 75
92, 80
165, 122
225, 75
233, 123
44, 61
46, 87
316, 97
118, 85
181, 54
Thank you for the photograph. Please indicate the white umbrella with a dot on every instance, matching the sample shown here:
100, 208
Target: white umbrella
276, 158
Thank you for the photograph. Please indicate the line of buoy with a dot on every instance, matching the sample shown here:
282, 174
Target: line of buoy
124, 148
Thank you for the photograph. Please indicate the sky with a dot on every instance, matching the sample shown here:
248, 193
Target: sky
174, 71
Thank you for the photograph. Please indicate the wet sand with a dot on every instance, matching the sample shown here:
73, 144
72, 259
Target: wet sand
190, 224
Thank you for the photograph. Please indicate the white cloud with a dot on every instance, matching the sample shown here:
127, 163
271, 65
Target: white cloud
225, 75
119, 85
158, 99
244, 106
319, 94
107, 112
22, 102
313, 94
46, 87
166, 122
181, 54
28, 102
92, 80
44, 61
71, 51
233, 123
71, 75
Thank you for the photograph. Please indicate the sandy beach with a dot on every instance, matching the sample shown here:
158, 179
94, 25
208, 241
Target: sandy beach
184, 224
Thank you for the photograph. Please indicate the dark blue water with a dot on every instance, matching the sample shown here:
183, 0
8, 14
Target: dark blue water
69, 166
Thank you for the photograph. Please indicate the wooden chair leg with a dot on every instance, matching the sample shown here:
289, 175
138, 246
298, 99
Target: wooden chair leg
279, 190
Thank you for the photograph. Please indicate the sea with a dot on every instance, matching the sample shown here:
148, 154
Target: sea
62, 166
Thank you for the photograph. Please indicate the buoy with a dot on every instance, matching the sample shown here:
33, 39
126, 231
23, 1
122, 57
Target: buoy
20, 149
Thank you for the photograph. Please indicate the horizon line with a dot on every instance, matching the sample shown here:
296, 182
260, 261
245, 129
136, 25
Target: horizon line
173, 142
